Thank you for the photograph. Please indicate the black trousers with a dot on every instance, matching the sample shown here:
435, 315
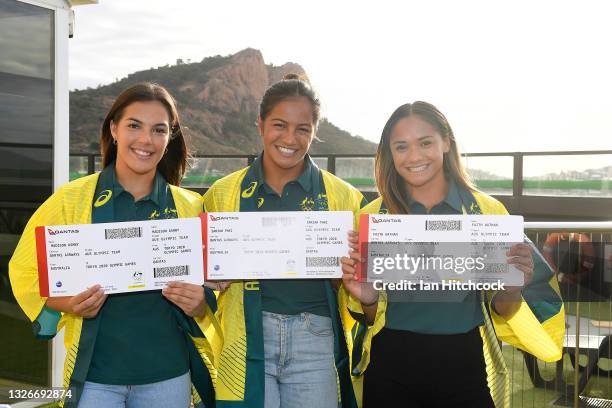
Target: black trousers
416, 370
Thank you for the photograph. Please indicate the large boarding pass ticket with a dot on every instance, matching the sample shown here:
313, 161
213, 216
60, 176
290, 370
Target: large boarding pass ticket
120, 256
439, 247
276, 245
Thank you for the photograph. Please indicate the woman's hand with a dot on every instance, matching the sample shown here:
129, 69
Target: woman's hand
188, 296
520, 256
86, 304
362, 291
507, 301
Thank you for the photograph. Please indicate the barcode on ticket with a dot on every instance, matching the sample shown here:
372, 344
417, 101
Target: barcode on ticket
276, 221
443, 225
495, 268
171, 271
322, 261
120, 233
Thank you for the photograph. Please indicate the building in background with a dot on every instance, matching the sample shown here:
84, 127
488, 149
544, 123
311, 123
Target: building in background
34, 148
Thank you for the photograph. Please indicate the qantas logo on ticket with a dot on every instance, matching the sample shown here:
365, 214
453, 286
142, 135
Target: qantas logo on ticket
377, 220
227, 217
67, 231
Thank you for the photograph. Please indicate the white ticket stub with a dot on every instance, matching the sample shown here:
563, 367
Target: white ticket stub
120, 256
430, 248
276, 245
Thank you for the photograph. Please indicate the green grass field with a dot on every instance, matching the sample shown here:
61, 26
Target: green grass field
601, 185
193, 180
189, 180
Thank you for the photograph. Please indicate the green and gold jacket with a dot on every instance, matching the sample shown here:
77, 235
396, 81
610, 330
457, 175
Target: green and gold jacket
72, 204
538, 327
238, 346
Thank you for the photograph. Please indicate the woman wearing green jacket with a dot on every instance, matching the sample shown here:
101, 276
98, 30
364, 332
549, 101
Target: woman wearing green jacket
282, 341
133, 349
437, 354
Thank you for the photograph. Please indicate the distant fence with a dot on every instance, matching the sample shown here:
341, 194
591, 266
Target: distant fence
585, 381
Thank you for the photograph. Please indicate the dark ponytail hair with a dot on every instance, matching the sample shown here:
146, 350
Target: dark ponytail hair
291, 86
174, 163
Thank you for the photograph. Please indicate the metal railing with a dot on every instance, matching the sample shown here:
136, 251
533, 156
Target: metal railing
570, 386
531, 203
517, 160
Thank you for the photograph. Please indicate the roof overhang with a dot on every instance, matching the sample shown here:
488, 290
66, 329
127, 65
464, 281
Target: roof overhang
81, 2
63, 4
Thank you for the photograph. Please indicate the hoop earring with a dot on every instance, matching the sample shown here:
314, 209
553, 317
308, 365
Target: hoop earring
166, 151
114, 141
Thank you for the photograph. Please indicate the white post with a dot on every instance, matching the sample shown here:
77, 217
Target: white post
61, 154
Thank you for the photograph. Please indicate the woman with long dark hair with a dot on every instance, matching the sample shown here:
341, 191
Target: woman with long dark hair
130, 349
416, 352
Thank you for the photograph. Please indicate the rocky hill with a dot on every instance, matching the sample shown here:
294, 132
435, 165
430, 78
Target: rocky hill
218, 99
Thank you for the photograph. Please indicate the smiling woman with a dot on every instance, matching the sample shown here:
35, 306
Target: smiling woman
283, 335
418, 149
287, 127
141, 137
144, 125
418, 171
110, 339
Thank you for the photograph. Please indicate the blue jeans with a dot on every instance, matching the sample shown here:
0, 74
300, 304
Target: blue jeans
300, 368
175, 392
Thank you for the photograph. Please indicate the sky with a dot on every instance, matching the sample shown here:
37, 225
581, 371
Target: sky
511, 76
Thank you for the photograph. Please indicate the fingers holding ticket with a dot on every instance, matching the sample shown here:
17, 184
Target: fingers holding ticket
189, 297
86, 304
362, 291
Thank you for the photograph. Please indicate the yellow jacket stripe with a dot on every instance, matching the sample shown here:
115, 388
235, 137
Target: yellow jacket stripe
230, 346
524, 331
72, 204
